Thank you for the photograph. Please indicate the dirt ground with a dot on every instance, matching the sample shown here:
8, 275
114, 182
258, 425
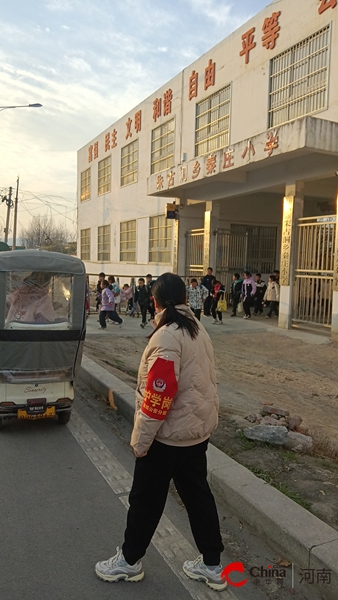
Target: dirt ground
253, 368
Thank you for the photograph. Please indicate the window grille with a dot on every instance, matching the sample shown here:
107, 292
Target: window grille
103, 243
299, 79
85, 244
162, 146
129, 163
128, 241
213, 122
104, 176
85, 185
160, 235
261, 247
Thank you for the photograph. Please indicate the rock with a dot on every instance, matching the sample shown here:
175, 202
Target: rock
274, 416
269, 420
251, 418
272, 410
295, 421
239, 421
283, 421
298, 442
274, 434
304, 430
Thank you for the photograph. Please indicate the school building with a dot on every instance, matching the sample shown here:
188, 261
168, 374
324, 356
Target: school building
233, 163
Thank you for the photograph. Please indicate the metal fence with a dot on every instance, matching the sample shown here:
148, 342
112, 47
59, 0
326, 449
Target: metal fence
194, 253
313, 289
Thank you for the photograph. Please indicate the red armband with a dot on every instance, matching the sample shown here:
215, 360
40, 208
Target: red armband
160, 389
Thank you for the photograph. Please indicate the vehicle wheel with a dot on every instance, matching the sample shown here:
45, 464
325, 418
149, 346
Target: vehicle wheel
64, 417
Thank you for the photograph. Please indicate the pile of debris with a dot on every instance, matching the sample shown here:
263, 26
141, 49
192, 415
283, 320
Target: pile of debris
276, 426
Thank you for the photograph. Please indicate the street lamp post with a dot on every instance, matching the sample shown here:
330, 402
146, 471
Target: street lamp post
36, 105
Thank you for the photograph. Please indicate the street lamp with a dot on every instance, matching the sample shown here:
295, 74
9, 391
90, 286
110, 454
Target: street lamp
36, 105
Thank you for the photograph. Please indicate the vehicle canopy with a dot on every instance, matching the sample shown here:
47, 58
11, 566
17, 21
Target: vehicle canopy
42, 316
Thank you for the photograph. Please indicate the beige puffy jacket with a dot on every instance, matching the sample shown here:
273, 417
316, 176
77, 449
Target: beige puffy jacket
187, 367
272, 292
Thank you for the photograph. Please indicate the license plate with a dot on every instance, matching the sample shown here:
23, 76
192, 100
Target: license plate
50, 412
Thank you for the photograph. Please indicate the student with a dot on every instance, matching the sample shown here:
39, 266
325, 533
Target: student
98, 290
259, 296
236, 290
272, 296
142, 296
248, 293
218, 291
196, 295
113, 286
107, 306
149, 283
208, 282
176, 412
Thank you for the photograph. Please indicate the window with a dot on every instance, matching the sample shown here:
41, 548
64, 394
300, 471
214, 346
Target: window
103, 243
129, 163
128, 241
160, 230
85, 185
299, 79
213, 122
162, 147
261, 245
104, 176
85, 244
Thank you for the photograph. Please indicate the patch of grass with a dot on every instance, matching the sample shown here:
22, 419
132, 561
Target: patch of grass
329, 465
246, 444
288, 455
293, 496
265, 475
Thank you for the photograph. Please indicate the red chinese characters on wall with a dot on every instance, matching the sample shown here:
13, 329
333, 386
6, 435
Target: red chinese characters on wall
196, 169
228, 159
210, 165
157, 106
114, 138
209, 74
271, 142
193, 85
325, 4
96, 150
248, 43
271, 30
107, 142
90, 154
128, 126
159, 182
248, 150
137, 121
167, 98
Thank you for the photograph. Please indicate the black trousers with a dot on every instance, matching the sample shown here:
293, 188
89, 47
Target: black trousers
258, 304
197, 312
207, 306
273, 308
187, 466
111, 314
247, 303
144, 308
235, 302
215, 312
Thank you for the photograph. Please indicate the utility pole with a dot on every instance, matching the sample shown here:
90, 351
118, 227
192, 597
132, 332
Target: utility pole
15, 213
9, 206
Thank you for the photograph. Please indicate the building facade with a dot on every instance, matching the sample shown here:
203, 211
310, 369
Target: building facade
245, 142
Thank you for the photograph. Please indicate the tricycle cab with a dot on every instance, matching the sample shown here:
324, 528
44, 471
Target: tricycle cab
42, 330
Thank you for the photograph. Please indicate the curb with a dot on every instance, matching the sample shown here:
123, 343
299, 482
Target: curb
282, 523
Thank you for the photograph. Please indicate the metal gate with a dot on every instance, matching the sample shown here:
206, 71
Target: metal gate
194, 253
313, 289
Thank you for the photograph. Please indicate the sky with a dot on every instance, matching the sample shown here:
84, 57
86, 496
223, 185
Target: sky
88, 62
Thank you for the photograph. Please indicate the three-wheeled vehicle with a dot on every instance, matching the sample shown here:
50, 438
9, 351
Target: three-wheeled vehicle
42, 331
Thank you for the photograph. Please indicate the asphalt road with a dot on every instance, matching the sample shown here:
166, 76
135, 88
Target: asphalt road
63, 499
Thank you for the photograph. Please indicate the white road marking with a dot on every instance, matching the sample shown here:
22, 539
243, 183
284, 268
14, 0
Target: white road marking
168, 541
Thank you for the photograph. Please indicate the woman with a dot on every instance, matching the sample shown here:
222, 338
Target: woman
218, 291
248, 293
176, 411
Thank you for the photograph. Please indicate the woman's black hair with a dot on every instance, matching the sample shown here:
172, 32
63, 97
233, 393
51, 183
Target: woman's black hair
169, 290
273, 278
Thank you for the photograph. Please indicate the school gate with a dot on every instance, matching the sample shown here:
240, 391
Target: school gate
313, 288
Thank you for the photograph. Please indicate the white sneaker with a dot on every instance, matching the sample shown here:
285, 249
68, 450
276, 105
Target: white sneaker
213, 322
116, 568
197, 570
121, 324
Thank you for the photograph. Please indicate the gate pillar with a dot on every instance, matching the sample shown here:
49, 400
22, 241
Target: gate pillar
293, 205
334, 326
211, 223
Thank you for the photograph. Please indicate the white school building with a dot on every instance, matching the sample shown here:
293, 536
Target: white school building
244, 142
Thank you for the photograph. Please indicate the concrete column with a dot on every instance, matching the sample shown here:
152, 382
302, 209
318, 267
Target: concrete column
211, 223
293, 205
334, 326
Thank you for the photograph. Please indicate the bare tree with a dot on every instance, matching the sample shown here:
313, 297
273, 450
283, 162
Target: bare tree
43, 233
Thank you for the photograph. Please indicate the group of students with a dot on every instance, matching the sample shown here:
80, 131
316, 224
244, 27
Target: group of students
206, 295
254, 293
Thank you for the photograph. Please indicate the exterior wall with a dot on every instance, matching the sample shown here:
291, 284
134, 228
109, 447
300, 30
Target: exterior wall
248, 118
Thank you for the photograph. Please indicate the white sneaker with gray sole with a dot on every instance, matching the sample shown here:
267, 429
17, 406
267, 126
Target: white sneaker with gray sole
116, 568
197, 570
